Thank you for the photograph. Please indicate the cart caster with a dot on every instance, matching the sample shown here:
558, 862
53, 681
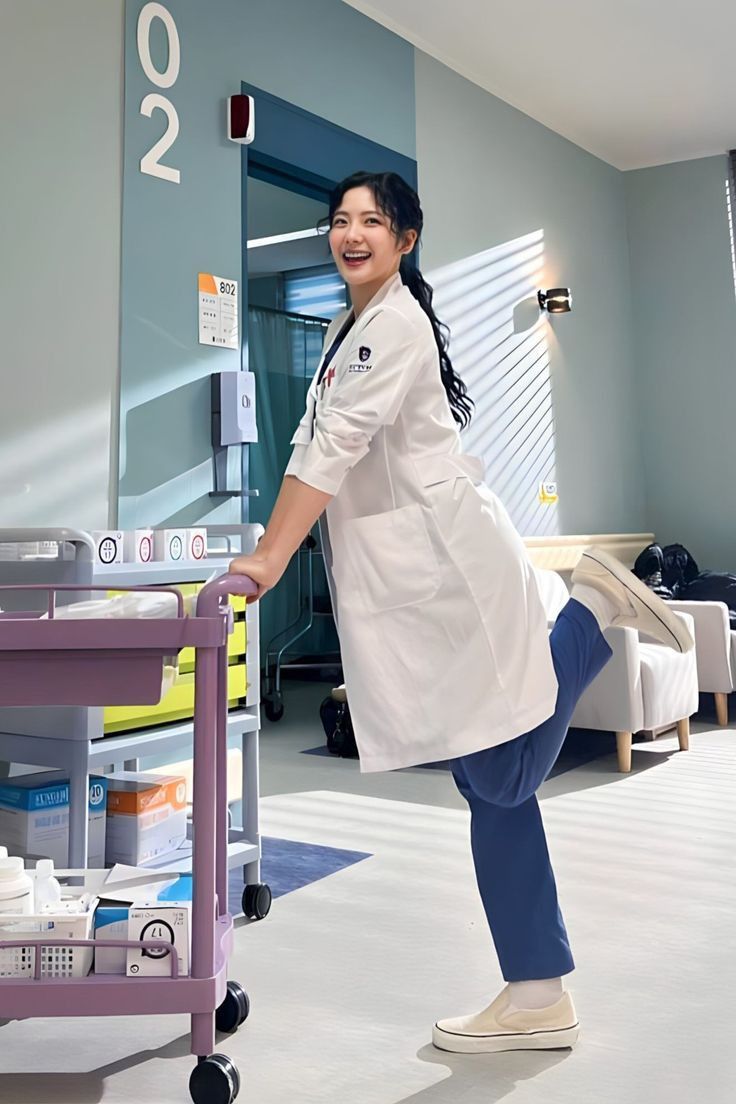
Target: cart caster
257, 901
234, 1010
215, 1080
274, 705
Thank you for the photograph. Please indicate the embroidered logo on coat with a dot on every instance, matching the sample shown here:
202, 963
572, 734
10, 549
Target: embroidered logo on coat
364, 352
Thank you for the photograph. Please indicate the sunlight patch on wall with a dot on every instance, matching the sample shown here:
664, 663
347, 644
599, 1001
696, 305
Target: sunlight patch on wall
498, 344
57, 471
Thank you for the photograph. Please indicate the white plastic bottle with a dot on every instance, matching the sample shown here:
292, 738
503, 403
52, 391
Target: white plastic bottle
16, 887
47, 889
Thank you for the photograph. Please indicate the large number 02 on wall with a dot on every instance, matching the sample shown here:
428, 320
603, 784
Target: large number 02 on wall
150, 162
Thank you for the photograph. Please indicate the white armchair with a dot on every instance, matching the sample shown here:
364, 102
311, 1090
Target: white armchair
645, 686
715, 647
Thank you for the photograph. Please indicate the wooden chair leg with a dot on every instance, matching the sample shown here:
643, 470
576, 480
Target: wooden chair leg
722, 709
623, 748
683, 733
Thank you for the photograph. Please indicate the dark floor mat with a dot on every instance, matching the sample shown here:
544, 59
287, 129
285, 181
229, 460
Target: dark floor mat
287, 865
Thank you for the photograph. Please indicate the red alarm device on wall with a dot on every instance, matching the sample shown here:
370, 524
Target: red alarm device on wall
241, 119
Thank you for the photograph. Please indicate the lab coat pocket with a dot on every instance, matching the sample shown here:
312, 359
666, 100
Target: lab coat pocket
390, 559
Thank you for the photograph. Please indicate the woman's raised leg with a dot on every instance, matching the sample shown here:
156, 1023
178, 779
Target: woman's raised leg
509, 774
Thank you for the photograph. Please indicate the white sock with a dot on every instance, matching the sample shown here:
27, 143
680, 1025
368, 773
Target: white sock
600, 605
535, 994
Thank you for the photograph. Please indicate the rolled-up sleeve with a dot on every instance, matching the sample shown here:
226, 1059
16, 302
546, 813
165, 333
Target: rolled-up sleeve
373, 380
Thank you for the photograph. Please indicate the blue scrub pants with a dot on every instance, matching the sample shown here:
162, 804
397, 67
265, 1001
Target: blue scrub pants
512, 862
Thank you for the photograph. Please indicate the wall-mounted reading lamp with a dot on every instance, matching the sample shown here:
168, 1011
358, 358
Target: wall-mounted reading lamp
555, 300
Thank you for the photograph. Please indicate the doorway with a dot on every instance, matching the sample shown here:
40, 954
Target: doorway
291, 291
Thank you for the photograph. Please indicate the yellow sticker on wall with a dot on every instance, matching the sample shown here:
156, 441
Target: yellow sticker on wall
548, 493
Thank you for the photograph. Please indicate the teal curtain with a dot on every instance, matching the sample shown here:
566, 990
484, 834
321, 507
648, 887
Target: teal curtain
283, 352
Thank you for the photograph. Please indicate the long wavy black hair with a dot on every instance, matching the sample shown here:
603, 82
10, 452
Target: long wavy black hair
400, 204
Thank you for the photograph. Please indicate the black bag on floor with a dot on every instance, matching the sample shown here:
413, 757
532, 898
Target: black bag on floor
335, 717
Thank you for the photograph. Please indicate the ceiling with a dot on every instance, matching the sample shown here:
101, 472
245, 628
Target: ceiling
637, 83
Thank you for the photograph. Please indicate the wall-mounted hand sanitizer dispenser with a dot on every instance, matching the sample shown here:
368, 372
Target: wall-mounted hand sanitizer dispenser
234, 400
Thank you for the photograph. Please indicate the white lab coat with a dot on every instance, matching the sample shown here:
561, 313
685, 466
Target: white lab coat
442, 631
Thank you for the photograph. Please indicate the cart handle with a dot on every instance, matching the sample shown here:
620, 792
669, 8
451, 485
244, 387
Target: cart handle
211, 594
145, 944
53, 587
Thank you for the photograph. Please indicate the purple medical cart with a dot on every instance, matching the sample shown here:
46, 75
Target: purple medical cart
55, 662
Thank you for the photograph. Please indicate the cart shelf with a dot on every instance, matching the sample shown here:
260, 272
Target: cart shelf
50, 661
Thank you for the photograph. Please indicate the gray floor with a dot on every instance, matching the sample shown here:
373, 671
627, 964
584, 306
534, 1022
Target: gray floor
347, 974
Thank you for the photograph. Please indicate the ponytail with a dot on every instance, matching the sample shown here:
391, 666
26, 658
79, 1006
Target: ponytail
461, 404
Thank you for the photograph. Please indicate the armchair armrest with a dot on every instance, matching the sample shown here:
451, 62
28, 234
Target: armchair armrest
712, 644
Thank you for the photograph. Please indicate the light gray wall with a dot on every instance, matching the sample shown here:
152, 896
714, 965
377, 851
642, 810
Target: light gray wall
60, 192
685, 339
489, 175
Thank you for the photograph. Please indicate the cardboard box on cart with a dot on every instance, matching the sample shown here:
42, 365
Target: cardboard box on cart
146, 816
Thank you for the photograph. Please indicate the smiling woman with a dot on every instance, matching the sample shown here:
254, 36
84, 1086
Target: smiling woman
443, 633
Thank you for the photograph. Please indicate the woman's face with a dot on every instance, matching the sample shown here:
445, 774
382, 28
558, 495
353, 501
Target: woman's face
362, 241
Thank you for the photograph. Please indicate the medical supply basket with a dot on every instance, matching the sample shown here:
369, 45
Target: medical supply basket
54, 662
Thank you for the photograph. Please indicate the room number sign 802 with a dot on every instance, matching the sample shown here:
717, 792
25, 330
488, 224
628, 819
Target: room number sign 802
151, 161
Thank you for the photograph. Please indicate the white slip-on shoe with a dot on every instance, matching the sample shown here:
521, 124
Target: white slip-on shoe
503, 1027
640, 607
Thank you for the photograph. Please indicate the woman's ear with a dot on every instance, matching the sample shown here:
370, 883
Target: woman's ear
410, 240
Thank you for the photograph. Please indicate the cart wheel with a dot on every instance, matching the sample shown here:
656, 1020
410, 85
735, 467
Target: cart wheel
234, 1010
257, 901
215, 1080
274, 705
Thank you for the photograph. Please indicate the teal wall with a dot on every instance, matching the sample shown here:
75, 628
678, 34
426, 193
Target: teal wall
61, 77
170, 231
489, 175
685, 337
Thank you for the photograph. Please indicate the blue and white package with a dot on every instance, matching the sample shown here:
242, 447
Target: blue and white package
34, 817
113, 921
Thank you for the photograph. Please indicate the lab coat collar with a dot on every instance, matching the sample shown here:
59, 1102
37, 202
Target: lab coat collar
386, 290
